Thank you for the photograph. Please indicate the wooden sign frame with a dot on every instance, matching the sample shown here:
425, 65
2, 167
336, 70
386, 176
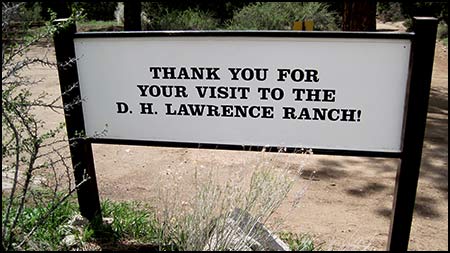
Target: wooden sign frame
423, 40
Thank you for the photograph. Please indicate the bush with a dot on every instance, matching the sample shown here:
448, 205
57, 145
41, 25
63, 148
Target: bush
49, 234
190, 19
202, 221
300, 242
281, 15
219, 9
94, 10
31, 12
34, 156
97, 10
389, 11
442, 32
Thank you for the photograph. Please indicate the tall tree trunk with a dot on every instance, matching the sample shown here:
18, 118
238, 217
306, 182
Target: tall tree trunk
359, 15
132, 16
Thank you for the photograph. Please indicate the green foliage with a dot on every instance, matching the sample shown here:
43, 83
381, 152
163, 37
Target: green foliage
442, 31
94, 25
97, 10
28, 151
281, 15
297, 242
153, 12
47, 236
190, 19
132, 221
31, 12
256, 16
94, 10
389, 11
218, 9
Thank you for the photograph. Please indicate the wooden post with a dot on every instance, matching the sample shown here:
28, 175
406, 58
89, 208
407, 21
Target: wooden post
359, 15
80, 149
132, 16
421, 69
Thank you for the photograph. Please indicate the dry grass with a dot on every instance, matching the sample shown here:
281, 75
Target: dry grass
202, 221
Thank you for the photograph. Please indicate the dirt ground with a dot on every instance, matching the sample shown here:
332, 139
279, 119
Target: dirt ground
347, 204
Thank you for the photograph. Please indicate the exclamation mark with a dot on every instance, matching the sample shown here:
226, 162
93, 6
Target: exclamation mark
359, 115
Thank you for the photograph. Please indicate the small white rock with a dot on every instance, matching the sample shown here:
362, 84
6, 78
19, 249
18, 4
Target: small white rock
78, 221
70, 241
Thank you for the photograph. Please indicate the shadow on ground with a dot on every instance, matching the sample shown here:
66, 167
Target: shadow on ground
434, 166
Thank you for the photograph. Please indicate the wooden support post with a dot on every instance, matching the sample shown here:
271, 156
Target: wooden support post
80, 149
421, 69
359, 15
132, 16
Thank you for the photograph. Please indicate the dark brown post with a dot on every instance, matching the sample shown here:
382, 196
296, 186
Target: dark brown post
421, 69
80, 149
359, 15
132, 16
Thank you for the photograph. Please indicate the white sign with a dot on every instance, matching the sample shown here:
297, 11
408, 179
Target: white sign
325, 93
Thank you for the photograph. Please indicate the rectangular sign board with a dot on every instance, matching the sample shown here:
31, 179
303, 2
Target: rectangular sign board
295, 92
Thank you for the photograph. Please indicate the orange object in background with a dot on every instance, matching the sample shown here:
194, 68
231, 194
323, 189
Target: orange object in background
307, 25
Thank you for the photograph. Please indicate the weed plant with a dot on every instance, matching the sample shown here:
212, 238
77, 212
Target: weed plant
203, 222
281, 16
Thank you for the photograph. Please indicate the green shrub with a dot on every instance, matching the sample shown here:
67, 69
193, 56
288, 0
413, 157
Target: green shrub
389, 11
302, 242
281, 15
49, 234
442, 32
160, 18
33, 153
97, 10
189, 19
132, 220
31, 12
220, 10
94, 10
